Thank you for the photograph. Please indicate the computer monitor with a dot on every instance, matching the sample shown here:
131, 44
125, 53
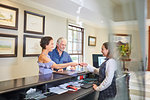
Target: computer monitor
98, 59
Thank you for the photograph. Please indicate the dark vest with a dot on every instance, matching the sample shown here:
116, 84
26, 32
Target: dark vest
109, 92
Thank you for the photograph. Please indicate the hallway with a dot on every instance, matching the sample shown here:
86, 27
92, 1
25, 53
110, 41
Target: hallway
136, 86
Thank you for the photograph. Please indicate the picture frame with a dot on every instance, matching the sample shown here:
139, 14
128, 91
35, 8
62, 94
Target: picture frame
34, 23
91, 41
31, 46
8, 17
123, 42
8, 45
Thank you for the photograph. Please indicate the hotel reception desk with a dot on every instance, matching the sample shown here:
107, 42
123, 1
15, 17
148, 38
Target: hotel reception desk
18, 89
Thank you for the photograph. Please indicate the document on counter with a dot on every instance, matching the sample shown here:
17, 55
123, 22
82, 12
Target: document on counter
70, 72
64, 86
76, 84
57, 90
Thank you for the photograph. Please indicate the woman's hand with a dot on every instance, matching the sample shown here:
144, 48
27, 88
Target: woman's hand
83, 64
73, 64
72, 68
94, 86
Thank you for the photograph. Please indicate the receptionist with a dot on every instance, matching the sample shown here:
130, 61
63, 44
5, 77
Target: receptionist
106, 71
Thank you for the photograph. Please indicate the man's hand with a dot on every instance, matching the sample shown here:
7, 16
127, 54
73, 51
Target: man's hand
60, 70
83, 64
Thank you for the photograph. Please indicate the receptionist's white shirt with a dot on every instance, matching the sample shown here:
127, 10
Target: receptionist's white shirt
111, 67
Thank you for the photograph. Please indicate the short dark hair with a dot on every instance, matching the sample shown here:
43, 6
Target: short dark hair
45, 41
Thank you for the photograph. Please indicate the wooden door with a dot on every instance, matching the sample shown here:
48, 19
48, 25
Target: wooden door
149, 49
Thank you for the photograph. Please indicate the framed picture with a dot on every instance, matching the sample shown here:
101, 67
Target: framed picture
8, 45
123, 42
31, 46
34, 23
91, 41
8, 17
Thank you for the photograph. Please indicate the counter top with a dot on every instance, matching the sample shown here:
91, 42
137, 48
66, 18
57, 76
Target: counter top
15, 84
27, 82
20, 83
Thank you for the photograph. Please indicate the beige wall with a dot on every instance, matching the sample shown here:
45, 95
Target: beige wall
55, 26
136, 54
20, 66
101, 36
135, 39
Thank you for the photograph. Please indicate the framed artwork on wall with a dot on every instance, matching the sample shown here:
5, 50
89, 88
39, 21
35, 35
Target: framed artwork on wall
31, 46
8, 17
123, 42
8, 45
91, 41
34, 23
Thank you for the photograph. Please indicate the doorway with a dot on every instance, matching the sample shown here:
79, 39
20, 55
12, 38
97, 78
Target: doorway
148, 49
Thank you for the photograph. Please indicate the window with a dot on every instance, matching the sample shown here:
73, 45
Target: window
75, 43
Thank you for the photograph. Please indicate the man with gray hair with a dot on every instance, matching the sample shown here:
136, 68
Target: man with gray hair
58, 55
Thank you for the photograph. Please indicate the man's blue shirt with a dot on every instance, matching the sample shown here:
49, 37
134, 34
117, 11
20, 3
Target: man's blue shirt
64, 58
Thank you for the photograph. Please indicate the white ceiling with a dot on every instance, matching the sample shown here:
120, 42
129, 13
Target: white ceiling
88, 8
94, 11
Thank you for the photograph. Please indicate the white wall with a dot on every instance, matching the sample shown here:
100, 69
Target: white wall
20, 66
135, 39
101, 36
55, 26
136, 54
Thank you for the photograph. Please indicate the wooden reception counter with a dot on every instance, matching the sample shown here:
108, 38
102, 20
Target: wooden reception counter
16, 89
23, 84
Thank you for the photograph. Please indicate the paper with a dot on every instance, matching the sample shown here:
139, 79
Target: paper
90, 68
31, 90
57, 90
63, 86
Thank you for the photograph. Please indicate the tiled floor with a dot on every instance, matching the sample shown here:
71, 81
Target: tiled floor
139, 86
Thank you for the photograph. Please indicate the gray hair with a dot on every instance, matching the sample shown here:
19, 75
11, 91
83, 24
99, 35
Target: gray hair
60, 39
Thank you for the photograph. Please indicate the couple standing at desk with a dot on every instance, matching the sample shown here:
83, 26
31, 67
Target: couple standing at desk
49, 59
107, 78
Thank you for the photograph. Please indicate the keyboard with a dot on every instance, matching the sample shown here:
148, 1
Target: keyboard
90, 79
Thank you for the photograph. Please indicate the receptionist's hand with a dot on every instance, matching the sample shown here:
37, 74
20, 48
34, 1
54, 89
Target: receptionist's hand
83, 64
60, 70
94, 86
